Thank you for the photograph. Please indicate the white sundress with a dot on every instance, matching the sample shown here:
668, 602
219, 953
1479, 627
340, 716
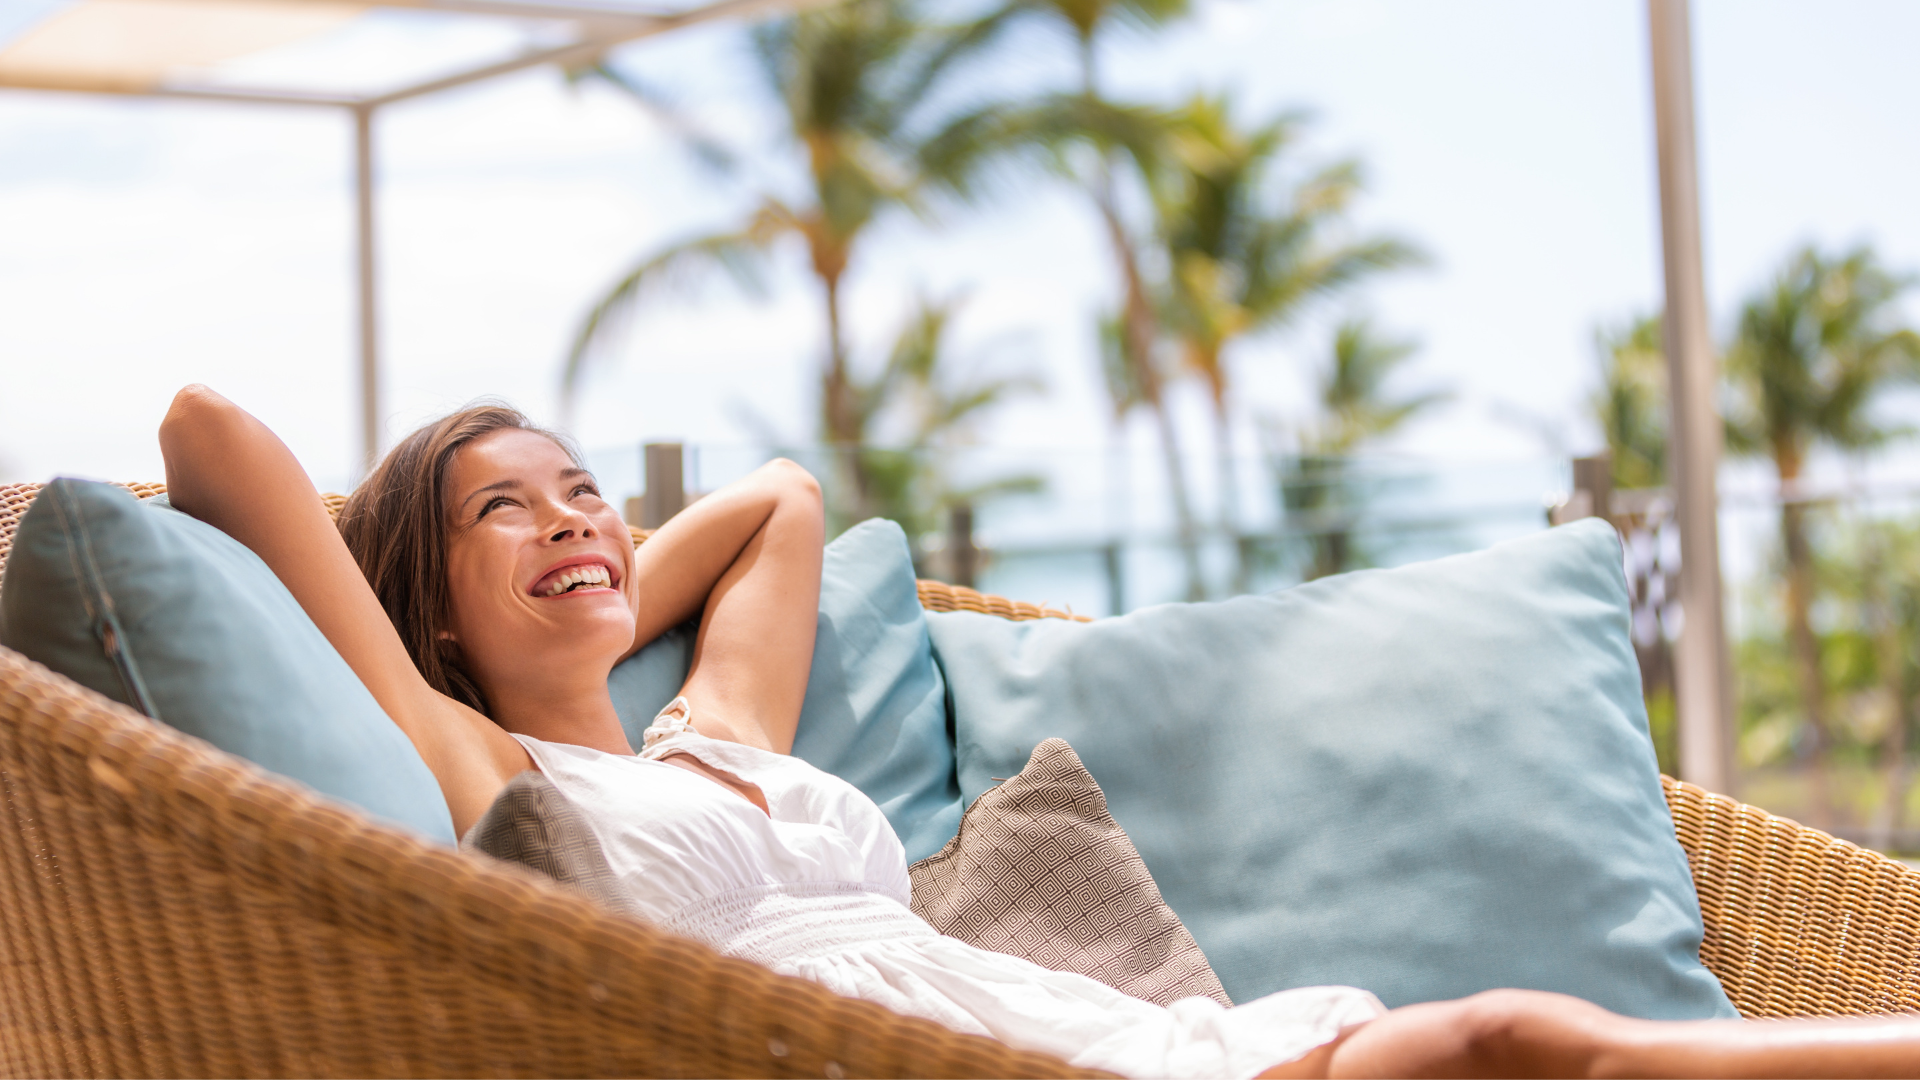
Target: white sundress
818, 889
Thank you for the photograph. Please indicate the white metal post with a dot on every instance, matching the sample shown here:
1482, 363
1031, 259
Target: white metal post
368, 310
1700, 661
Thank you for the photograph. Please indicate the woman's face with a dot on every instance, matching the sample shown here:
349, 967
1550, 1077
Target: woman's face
538, 566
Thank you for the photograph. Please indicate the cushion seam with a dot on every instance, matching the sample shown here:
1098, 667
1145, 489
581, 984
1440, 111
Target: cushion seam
102, 618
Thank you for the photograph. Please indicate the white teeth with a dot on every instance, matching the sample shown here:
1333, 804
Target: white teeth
592, 575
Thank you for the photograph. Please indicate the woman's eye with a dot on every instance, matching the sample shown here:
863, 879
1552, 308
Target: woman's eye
585, 489
496, 501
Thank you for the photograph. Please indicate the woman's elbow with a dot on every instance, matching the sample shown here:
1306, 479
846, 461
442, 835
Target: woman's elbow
793, 483
196, 410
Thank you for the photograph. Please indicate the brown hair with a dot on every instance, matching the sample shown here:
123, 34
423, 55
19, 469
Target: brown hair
397, 523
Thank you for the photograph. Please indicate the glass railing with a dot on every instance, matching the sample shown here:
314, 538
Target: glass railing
1096, 531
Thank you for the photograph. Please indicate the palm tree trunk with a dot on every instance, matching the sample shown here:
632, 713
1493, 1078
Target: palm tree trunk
839, 415
1805, 646
1330, 543
1139, 328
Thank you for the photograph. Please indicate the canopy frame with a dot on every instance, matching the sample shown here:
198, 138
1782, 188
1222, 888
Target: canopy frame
602, 28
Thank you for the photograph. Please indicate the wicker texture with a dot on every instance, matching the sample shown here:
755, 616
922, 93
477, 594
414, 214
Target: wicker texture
939, 596
168, 909
15, 498
1798, 923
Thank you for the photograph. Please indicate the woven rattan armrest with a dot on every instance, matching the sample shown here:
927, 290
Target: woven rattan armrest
166, 909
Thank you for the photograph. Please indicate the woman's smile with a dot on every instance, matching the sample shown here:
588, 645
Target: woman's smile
578, 574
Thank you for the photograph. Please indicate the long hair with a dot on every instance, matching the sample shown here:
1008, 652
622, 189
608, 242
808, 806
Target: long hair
397, 524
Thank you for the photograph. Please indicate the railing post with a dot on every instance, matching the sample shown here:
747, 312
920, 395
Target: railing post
1592, 494
963, 557
1110, 557
663, 467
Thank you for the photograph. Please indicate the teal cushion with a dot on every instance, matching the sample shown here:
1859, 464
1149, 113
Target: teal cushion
1426, 781
875, 711
173, 617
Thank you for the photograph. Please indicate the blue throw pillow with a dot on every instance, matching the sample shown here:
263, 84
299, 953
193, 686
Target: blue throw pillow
177, 619
1426, 781
875, 712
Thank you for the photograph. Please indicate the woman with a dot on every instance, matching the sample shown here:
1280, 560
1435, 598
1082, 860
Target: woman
482, 589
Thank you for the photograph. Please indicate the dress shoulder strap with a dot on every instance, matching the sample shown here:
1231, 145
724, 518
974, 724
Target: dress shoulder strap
676, 718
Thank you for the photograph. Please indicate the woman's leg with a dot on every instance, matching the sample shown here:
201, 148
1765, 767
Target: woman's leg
1529, 1033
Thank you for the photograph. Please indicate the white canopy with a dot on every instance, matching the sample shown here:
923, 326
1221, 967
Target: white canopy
353, 53
356, 55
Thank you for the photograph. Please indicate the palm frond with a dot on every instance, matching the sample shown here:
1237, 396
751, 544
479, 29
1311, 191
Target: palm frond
738, 255
706, 148
1014, 139
1812, 352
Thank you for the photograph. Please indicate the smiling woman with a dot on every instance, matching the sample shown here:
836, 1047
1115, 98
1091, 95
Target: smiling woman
438, 587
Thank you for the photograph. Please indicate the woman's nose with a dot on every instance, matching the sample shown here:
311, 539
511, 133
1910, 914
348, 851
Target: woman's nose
577, 522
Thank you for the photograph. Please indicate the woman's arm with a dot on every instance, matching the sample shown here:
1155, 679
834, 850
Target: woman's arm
225, 468
748, 558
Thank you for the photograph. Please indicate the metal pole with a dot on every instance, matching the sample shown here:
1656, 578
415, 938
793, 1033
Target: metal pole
369, 321
1700, 661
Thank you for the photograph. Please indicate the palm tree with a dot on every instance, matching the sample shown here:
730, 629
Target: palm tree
1631, 403
1811, 355
1086, 137
860, 84
920, 406
1247, 254
1319, 491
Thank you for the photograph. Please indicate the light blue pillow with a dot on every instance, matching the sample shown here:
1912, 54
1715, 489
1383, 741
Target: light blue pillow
875, 712
1426, 781
178, 620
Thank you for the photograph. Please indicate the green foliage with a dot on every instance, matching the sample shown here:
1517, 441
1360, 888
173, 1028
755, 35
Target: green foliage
1247, 250
1087, 18
860, 85
1663, 727
1324, 491
1351, 391
1811, 354
911, 414
1631, 403
1867, 626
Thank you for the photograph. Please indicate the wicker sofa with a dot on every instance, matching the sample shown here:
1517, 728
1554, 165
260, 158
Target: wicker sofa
167, 909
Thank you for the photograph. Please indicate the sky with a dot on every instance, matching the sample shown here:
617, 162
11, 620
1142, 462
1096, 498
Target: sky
148, 244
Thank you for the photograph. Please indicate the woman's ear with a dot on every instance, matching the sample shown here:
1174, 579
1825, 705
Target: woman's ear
446, 635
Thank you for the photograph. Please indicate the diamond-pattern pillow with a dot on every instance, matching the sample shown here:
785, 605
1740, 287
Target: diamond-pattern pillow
1040, 870
533, 823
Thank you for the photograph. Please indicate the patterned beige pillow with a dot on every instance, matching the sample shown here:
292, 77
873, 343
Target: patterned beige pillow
533, 823
1042, 871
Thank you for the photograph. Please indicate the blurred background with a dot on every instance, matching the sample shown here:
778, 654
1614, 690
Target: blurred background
1108, 302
